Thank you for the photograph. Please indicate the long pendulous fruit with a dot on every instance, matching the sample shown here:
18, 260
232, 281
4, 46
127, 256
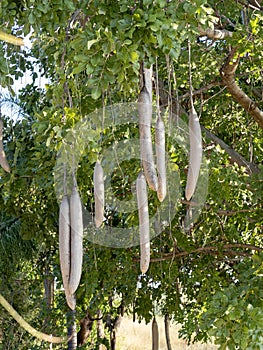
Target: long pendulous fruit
3, 161
160, 158
155, 335
64, 249
98, 180
144, 224
146, 149
76, 240
195, 157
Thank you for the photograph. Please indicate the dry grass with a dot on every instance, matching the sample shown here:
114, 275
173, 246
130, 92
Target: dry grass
137, 336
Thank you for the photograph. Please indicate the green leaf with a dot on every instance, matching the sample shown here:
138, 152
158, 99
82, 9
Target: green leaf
81, 67
89, 68
81, 57
96, 93
90, 43
31, 18
70, 5
134, 56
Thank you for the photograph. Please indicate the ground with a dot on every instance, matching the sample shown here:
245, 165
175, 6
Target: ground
137, 336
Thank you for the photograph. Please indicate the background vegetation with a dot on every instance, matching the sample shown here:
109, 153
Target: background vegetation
207, 278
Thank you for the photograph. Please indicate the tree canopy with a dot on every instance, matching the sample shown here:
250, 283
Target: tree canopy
206, 255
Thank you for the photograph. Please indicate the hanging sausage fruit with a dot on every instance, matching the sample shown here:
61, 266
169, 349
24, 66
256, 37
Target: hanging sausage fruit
144, 224
3, 161
195, 157
160, 158
155, 335
64, 249
76, 239
145, 121
98, 181
71, 243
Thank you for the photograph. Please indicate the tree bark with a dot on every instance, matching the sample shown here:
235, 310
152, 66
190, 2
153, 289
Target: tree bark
113, 324
228, 77
113, 339
100, 332
86, 324
49, 297
167, 331
72, 333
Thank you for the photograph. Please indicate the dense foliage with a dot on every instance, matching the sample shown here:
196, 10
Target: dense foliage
206, 276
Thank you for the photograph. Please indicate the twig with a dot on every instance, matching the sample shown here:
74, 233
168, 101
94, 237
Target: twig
201, 90
249, 5
209, 250
235, 156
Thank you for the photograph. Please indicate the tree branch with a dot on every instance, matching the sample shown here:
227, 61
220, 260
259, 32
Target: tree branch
254, 5
201, 90
221, 212
228, 77
27, 327
235, 157
208, 250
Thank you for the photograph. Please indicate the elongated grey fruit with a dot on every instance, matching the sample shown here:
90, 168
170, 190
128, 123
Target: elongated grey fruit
147, 75
146, 149
64, 240
76, 240
98, 180
195, 157
160, 158
64, 249
3, 161
144, 224
71, 299
155, 335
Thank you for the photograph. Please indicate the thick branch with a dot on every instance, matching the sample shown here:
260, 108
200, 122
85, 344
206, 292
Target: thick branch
228, 77
11, 39
27, 327
209, 250
235, 157
215, 33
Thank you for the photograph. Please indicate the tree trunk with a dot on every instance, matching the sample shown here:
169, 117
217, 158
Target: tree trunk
112, 325
49, 298
49, 288
113, 339
72, 333
100, 332
167, 331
